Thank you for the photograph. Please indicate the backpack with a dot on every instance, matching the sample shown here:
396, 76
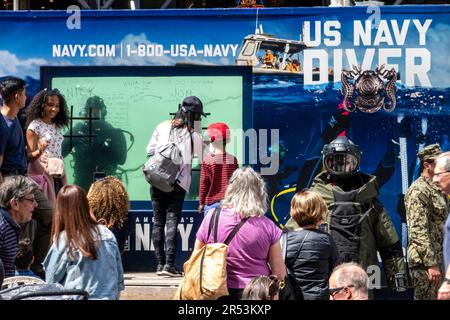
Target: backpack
346, 218
205, 273
162, 168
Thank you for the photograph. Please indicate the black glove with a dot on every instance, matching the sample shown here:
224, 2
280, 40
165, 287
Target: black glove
338, 122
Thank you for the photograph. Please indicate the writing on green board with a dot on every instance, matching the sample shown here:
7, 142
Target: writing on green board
133, 107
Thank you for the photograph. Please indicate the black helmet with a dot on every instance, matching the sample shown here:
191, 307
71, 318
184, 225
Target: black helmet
341, 157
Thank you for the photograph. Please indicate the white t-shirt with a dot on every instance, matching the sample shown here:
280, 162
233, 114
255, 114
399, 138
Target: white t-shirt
51, 133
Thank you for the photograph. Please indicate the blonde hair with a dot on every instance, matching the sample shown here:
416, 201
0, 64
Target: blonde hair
246, 193
307, 207
108, 200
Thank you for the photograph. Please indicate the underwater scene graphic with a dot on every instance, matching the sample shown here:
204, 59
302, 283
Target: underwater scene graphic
303, 116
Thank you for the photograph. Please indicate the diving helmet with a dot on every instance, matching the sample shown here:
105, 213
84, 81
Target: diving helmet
341, 157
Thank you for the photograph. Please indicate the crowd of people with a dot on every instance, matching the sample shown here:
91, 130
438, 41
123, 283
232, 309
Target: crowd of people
63, 234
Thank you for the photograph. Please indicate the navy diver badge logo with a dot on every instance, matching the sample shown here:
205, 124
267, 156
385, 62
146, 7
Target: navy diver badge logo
368, 90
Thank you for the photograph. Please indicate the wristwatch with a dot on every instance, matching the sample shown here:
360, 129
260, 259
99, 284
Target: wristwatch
447, 280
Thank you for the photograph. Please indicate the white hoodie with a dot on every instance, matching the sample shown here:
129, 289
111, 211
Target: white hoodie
183, 140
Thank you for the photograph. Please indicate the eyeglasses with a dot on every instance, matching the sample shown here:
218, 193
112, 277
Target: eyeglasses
32, 200
334, 291
439, 173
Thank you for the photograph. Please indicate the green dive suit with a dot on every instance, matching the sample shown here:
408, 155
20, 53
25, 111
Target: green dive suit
359, 223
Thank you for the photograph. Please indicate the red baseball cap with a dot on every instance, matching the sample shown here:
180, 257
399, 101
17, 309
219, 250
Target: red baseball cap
218, 131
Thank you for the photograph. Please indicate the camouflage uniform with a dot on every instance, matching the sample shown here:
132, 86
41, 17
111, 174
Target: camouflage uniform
426, 212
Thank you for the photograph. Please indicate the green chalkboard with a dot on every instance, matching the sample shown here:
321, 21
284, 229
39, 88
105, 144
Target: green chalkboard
135, 105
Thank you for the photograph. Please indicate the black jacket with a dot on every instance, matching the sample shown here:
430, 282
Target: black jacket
313, 264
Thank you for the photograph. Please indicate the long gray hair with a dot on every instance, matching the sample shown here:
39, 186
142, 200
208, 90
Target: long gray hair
246, 193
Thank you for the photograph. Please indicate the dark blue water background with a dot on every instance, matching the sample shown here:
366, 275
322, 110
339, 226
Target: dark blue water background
301, 113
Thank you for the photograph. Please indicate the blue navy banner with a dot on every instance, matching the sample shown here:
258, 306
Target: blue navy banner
297, 56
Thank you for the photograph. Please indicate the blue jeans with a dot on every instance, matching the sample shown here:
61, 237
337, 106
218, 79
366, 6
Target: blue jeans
209, 207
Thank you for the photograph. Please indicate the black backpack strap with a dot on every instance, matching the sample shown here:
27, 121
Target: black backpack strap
234, 231
216, 222
301, 246
284, 247
211, 222
216, 226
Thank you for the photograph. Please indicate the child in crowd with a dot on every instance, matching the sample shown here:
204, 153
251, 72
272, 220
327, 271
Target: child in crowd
24, 259
262, 288
217, 168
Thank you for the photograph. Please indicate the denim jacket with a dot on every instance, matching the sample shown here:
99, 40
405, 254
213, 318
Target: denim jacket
101, 278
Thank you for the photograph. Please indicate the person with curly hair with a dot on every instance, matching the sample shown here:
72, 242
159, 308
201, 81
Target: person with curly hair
46, 115
108, 201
